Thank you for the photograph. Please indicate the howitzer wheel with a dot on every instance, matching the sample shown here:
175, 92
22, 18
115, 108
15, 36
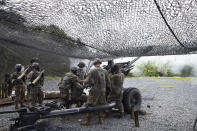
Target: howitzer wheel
132, 97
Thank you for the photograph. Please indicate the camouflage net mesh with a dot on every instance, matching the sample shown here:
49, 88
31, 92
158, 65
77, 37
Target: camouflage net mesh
101, 28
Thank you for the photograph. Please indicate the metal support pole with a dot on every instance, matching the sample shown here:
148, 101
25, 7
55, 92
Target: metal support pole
195, 122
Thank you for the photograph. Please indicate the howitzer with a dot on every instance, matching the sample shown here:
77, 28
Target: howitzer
125, 67
38, 78
24, 73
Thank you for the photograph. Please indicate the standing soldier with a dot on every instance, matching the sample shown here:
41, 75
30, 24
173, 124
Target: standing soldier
117, 79
19, 85
28, 97
109, 65
80, 71
98, 80
36, 79
8, 81
71, 91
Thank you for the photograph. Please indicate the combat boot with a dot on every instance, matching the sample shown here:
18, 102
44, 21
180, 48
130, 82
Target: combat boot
87, 122
121, 114
101, 120
16, 107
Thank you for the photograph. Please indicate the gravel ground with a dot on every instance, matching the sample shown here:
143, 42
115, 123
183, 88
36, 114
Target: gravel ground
171, 104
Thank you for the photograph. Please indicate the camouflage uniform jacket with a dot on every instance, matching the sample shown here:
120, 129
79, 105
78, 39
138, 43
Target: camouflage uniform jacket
33, 75
116, 85
81, 73
71, 83
98, 80
14, 79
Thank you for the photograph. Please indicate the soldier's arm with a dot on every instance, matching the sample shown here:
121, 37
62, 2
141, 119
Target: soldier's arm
87, 80
79, 80
13, 78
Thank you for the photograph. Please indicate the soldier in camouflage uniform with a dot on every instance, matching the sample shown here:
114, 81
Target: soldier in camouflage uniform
71, 91
8, 81
98, 81
117, 79
19, 85
80, 71
33, 60
36, 90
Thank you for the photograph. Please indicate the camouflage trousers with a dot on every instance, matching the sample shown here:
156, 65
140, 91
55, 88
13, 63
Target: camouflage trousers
36, 95
28, 97
67, 100
20, 94
79, 100
96, 98
65, 97
118, 99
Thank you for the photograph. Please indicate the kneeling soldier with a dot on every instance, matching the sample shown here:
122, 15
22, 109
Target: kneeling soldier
36, 79
117, 79
19, 85
71, 91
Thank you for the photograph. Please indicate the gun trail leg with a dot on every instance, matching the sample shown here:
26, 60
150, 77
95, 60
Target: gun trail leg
136, 119
132, 112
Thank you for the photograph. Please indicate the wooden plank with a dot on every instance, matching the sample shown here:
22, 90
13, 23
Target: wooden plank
47, 95
5, 101
51, 94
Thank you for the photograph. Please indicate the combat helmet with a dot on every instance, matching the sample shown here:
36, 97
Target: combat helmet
35, 65
18, 67
115, 68
97, 60
73, 69
81, 64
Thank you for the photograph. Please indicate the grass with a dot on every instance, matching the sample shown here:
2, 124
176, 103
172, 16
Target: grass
52, 78
166, 86
173, 77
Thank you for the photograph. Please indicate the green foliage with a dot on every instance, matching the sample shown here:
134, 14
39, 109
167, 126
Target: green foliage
186, 71
130, 75
52, 78
151, 69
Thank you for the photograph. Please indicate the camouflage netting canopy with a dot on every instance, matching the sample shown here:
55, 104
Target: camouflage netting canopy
99, 28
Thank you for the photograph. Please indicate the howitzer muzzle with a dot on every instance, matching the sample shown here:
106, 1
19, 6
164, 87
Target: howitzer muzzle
20, 110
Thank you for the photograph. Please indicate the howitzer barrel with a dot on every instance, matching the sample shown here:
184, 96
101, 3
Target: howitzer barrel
20, 110
27, 120
77, 110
